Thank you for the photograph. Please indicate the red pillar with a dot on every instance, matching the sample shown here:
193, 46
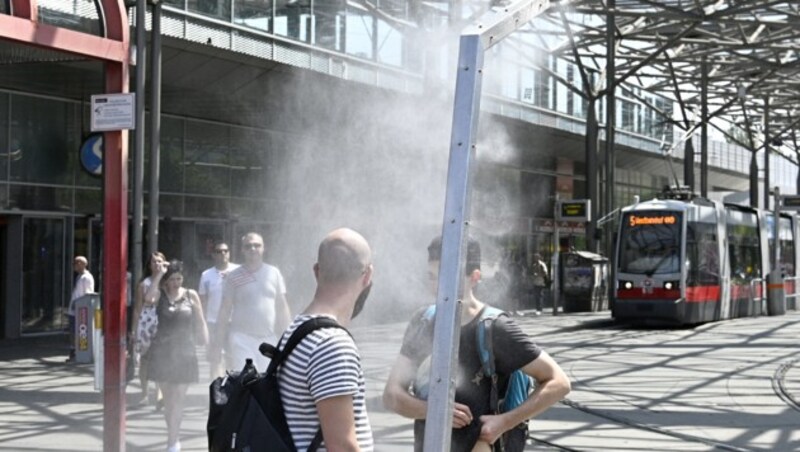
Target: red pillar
115, 243
25, 9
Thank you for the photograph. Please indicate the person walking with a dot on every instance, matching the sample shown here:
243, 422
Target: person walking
84, 284
210, 292
145, 322
172, 361
539, 277
254, 299
322, 383
475, 426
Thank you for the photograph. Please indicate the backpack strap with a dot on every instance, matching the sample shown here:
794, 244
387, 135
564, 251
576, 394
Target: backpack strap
306, 328
485, 339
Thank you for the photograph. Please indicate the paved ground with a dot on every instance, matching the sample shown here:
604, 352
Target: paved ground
721, 386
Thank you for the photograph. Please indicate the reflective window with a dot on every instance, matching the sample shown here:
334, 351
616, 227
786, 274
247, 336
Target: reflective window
171, 168
206, 162
40, 141
43, 301
702, 254
218, 9
253, 14
650, 243
5, 147
79, 15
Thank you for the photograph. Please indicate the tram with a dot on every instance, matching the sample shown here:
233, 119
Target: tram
690, 260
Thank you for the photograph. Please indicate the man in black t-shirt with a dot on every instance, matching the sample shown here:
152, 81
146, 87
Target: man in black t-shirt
475, 428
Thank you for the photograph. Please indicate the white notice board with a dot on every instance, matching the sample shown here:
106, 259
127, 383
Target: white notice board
113, 112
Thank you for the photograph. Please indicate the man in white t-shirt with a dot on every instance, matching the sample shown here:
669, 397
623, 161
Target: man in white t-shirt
254, 299
210, 291
84, 283
322, 382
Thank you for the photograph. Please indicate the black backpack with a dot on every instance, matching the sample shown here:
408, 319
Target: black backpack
245, 408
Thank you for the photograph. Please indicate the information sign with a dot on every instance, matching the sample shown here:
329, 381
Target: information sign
790, 202
575, 210
113, 112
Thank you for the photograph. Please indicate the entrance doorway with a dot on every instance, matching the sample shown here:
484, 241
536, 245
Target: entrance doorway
43, 273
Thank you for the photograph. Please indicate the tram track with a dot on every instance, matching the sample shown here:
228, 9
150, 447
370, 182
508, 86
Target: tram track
716, 445
779, 384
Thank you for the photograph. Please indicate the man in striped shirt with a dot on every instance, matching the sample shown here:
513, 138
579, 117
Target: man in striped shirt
321, 382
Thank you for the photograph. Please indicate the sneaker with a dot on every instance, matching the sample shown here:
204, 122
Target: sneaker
537, 312
175, 447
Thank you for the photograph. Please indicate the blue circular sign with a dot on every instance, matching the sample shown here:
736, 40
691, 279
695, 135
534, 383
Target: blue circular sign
92, 154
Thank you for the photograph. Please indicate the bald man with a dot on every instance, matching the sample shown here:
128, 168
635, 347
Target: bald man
84, 283
321, 383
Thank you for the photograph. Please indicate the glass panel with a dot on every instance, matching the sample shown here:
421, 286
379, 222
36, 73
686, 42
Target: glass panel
250, 163
206, 159
359, 33
43, 300
40, 140
329, 24
197, 206
5, 151
171, 168
41, 198
650, 243
79, 15
253, 14
218, 9
88, 201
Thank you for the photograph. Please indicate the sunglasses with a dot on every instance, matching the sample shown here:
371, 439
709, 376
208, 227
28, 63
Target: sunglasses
221, 251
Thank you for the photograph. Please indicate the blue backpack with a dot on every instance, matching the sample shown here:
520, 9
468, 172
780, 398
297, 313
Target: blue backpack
520, 384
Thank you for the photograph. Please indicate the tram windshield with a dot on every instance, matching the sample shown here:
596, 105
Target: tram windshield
650, 243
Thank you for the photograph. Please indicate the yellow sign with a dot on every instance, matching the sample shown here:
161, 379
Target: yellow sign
633, 220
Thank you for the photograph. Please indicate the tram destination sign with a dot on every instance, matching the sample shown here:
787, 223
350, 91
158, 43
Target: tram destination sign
790, 202
575, 210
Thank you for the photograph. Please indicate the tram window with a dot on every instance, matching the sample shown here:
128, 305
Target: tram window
702, 254
650, 243
743, 251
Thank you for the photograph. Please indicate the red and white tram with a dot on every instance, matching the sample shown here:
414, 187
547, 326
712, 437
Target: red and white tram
695, 261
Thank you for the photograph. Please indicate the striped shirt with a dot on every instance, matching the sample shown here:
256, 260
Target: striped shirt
325, 364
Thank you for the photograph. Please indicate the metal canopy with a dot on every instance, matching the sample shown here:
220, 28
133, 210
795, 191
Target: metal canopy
751, 48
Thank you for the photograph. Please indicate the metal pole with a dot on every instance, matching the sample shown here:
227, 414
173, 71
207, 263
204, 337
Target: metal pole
688, 164
138, 151
766, 153
555, 272
155, 133
454, 232
591, 172
704, 128
611, 115
776, 300
474, 41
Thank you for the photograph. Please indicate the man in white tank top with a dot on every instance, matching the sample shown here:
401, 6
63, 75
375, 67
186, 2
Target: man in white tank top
254, 299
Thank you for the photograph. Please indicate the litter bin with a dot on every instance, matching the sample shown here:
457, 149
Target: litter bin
584, 281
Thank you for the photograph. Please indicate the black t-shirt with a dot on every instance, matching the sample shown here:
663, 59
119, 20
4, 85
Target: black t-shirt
513, 349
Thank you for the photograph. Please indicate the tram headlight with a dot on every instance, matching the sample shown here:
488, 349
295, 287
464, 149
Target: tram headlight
671, 285
627, 285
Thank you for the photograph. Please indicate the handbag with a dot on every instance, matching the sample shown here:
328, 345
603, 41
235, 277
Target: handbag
146, 330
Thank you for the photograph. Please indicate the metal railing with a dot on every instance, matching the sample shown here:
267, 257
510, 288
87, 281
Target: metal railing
763, 296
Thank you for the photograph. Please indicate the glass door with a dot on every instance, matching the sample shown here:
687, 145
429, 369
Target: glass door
44, 298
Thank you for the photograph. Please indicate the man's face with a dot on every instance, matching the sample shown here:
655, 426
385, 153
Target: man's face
78, 266
253, 249
221, 254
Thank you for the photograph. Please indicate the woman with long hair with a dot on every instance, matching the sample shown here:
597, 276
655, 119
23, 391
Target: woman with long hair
173, 360
145, 323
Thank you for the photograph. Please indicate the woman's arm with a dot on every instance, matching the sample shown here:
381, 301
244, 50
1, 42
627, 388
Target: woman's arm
201, 330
